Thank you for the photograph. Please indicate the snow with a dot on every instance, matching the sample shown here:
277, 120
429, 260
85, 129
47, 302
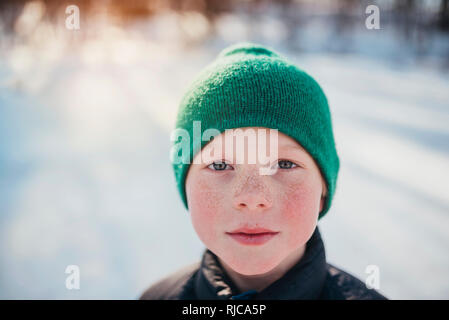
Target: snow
85, 177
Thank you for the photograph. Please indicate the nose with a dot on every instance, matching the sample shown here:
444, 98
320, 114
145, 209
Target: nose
252, 195
252, 202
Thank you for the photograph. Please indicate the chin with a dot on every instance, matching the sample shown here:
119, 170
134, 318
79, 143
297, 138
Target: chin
249, 267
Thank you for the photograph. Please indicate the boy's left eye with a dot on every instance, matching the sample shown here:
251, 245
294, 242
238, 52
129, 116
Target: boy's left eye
286, 164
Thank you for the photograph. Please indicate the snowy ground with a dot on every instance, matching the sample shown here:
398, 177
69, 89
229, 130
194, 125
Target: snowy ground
85, 177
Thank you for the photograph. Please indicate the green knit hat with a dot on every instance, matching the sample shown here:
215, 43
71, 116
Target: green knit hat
249, 85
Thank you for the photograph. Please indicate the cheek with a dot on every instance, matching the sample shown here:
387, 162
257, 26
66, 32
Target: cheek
300, 213
205, 200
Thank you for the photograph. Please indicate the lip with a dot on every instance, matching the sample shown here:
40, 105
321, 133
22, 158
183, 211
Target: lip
252, 236
252, 230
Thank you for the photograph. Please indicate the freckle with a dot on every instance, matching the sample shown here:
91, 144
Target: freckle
291, 201
208, 196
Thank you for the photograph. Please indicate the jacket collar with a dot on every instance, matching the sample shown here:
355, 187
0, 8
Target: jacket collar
304, 280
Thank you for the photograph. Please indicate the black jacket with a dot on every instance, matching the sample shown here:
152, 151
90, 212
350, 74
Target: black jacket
311, 278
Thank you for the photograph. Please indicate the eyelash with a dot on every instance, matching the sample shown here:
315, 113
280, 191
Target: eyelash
217, 162
294, 165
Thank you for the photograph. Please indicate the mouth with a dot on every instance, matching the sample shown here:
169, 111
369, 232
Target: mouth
247, 236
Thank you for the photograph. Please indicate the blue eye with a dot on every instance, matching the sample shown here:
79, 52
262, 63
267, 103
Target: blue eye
286, 164
219, 166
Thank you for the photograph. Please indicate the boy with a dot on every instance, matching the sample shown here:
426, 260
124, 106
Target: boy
257, 217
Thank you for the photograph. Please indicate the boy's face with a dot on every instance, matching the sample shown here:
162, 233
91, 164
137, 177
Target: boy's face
225, 195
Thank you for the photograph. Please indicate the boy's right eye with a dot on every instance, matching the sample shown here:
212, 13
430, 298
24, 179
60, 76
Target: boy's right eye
219, 166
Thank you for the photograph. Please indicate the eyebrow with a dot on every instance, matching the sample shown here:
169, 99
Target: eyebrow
294, 148
300, 152
288, 147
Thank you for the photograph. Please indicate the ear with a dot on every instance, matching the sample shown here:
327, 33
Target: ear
323, 199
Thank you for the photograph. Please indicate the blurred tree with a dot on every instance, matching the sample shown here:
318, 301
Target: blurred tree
443, 17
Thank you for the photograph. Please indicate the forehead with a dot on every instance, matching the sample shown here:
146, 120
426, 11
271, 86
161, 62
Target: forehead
284, 141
